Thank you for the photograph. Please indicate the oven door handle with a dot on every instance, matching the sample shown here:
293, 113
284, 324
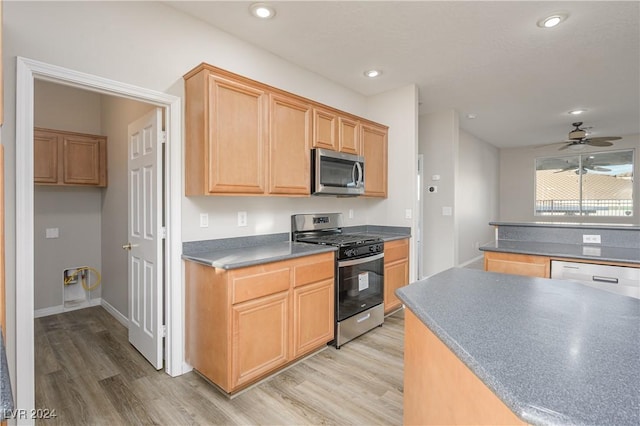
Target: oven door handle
360, 261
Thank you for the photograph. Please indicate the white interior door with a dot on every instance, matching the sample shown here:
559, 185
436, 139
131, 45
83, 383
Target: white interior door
145, 261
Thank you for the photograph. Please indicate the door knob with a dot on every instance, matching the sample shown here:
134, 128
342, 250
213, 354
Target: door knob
127, 246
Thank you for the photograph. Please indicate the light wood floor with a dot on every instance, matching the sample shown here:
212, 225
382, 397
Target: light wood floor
88, 372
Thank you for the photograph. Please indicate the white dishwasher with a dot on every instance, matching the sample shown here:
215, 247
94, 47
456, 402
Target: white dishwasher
616, 279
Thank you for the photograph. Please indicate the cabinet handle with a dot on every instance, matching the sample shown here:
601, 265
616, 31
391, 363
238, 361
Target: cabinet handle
610, 280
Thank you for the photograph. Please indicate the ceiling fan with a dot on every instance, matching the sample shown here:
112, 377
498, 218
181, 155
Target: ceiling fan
586, 167
578, 138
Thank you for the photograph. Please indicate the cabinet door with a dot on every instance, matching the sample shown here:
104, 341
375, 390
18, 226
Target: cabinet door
396, 272
260, 337
348, 135
517, 264
374, 150
324, 129
236, 139
313, 316
81, 160
289, 146
45, 157
396, 275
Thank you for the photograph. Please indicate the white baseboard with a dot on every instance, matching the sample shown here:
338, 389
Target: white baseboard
53, 310
469, 262
122, 319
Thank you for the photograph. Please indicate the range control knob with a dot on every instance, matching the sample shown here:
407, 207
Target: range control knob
350, 252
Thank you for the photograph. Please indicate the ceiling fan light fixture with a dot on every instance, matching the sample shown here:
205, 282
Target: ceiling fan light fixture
577, 147
577, 111
552, 20
262, 10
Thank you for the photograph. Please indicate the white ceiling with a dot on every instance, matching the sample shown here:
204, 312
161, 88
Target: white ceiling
485, 58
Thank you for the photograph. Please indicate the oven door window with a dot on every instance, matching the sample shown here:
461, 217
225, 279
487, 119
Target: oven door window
360, 285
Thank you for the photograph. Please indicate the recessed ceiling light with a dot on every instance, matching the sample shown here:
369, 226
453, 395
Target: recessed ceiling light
472, 116
262, 10
552, 20
577, 111
372, 73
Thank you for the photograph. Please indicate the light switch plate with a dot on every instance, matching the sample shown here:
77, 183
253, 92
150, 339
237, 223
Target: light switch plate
447, 211
408, 214
52, 233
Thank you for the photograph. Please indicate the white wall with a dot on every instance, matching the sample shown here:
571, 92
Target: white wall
398, 109
75, 211
116, 115
439, 135
477, 188
149, 44
517, 182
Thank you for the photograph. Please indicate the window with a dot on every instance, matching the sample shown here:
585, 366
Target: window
590, 184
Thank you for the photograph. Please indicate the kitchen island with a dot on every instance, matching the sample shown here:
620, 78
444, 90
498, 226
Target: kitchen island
488, 348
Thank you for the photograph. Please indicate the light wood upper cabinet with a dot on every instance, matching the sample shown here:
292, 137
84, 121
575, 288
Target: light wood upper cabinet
69, 159
349, 135
226, 136
244, 137
325, 133
289, 145
374, 150
244, 324
396, 272
45, 162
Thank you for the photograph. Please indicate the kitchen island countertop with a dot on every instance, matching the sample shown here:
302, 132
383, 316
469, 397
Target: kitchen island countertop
555, 352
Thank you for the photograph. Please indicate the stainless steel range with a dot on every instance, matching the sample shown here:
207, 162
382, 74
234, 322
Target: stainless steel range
359, 272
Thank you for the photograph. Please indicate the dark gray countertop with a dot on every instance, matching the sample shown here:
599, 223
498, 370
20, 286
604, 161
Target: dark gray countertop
612, 226
249, 256
232, 253
555, 352
574, 251
6, 396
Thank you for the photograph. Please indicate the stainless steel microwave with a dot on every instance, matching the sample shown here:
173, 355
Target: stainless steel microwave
336, 173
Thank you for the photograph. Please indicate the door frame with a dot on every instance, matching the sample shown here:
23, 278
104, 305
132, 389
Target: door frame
26, 72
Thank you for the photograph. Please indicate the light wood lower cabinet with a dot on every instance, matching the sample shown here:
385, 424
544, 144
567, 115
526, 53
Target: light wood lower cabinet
396, 272
517, 264
244, 324
439, 389
260, 337
69, 159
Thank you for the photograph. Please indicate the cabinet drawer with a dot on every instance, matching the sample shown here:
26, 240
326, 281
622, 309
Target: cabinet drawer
396, 250
321, 268
251, 283
517, 264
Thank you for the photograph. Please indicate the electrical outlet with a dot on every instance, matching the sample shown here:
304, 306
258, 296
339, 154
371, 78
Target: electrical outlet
350, 213
591, 239
242, 218
408, 214
204, 220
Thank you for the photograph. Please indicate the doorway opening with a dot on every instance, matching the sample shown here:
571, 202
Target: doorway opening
27, 72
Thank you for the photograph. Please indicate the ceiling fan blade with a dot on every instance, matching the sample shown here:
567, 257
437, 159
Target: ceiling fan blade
567, 168
604, 138
597, 142
598, 169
